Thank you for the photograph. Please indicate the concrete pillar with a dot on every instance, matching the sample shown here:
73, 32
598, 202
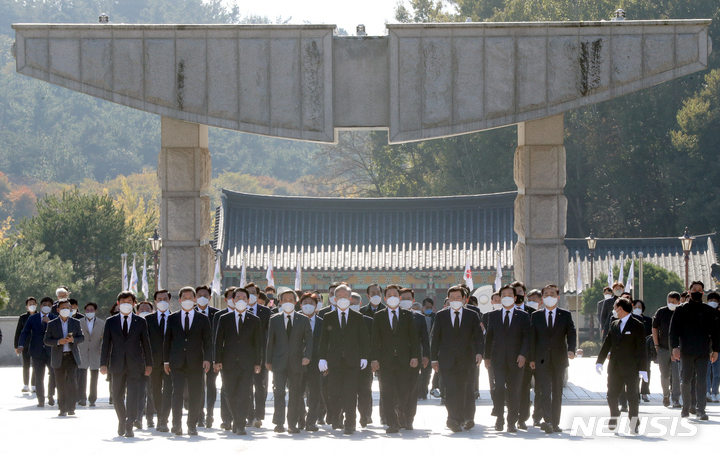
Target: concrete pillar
541, 207
184, 173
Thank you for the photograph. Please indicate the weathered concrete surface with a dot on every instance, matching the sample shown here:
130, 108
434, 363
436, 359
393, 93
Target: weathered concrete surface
7, 349
184, 172
421, 81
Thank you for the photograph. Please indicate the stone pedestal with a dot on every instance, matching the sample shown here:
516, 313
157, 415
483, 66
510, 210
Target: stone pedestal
541, 207
184, 172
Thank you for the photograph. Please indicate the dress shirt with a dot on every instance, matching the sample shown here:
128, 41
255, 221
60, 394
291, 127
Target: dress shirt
285, 317
90, 324
623, 321
191, 313
159, 318
129, 321
506, 311
64, 324
312, 323
390, 315
340, 313
239, 319
452, 316
205, 311
554, 315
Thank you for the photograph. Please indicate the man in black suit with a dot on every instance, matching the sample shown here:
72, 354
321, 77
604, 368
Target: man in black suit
127, 355
311, 376
203, 306
30, 309
507, 345
187, 353
607, 295
552, 343
344, 350
694, 338
63, 334
428, 313
331, 299
395, 351
160, 382
528, 373
260, 380
289, 350
608, 307
669, 367
225, 414
407, 302
626, 344
375, 296
456, 347
238, 356
31, 340
365, 378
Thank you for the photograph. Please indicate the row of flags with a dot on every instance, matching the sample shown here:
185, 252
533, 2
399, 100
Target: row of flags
131, 284
631, 275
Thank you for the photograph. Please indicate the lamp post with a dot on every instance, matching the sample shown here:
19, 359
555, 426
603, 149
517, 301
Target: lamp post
155, 244
592, 243
687, 242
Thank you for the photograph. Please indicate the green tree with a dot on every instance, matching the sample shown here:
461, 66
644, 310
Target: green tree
4, 297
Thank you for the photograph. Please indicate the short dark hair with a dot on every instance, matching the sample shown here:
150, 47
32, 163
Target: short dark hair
73, 301
152, 307
235, 292
230, 290
674, 295
496, 293
126, 294
262, 296
696, 282
642, 304
160, 291
473, 300
186, 289
202, 286
392, 286
288, 291
29, 299
508, 286
372, 286
62, 302
92, 304
456, 289
519, 284
404, 290
685, 294
625, 304
535, 292
252, 285
270, 288
47, 299
309, 295
427, 300
713, 295
551, 286
607, 288
617, 283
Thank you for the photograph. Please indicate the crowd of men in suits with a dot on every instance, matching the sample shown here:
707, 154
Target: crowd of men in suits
160, 362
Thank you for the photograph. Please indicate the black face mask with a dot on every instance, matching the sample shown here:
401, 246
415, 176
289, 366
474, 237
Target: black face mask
696, 296
519, 299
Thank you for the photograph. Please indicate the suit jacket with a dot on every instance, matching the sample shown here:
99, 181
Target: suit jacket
398, 344
157, 337
324, 311
606, 314
317, 332
367, 309
54, 333
189, 349
90, 349
126, 354
423, 335
629, 352
503, 346
238, 351
212, 311
284, 352
20, 325
264, 314
527, 309
459, 347
32, 335
551, 345
348, 345
694, 328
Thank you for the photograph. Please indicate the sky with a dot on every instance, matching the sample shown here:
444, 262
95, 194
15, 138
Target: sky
345, 14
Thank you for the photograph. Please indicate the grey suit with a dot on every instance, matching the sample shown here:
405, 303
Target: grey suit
90, 356
285, 354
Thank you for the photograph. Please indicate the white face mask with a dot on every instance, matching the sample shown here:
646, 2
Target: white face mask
406, 304
375, 300
672, 306
45, 309
288, 307
550, 302
143, 314
32, 308
202, 301
125, 308
393, 302
355, 307
608, 296
637, 311
332, 300
253, 299
343, 304
163, 306
614, 313
65, 312
73, 312
308, 309
496, 306
240, 306
90, 316
507, 302
618, 292
455, 304
230, 303
531, 304
187, 305
713, 304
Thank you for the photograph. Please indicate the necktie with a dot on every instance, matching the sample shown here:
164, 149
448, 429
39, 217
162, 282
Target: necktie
125, 326
456, 324
239, 323
394, 319
550, 321
162, 323
187, 322
343, 323
288, 327
250, 310
507, 319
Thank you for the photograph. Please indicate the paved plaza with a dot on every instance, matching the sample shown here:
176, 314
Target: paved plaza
91, 428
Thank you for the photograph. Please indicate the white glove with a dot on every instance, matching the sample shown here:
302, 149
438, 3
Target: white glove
598, 367
322, 365
363, 363
644, 376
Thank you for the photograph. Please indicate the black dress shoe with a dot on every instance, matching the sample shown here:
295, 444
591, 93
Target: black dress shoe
409, 426
348, 430
121, 429
51, 401
390, 430
556, 429
321, 421
41, 405
293, 430
92, 404
522, 425
151, 423
310, 427
693, 411
279, 429
337, 426
163, 428
110, 400
702, 416
469, 425
225, 426
499, 424
512, 428
192, 431
201, 422
209, 422
71, 412
62, 414
676, 404
82, 403
177, 431
369, 420
536, 423
454, 426
666, 402
129, 433
240, 431
363, 422
624, 409
137, 424
546, 427
382, 421
612, 424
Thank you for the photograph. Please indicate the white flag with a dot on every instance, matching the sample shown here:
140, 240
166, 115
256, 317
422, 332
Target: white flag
243, 279
269, 274
498, 275
145, 287
579, 280
298, 276
124, 273
621, 277
631, 277
216, 287
134, 278
611, 280
468, 274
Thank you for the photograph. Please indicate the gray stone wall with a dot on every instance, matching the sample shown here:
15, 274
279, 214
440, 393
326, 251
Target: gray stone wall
7, 349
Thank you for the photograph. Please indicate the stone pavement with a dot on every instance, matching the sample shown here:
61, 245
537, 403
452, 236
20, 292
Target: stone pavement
21, 422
